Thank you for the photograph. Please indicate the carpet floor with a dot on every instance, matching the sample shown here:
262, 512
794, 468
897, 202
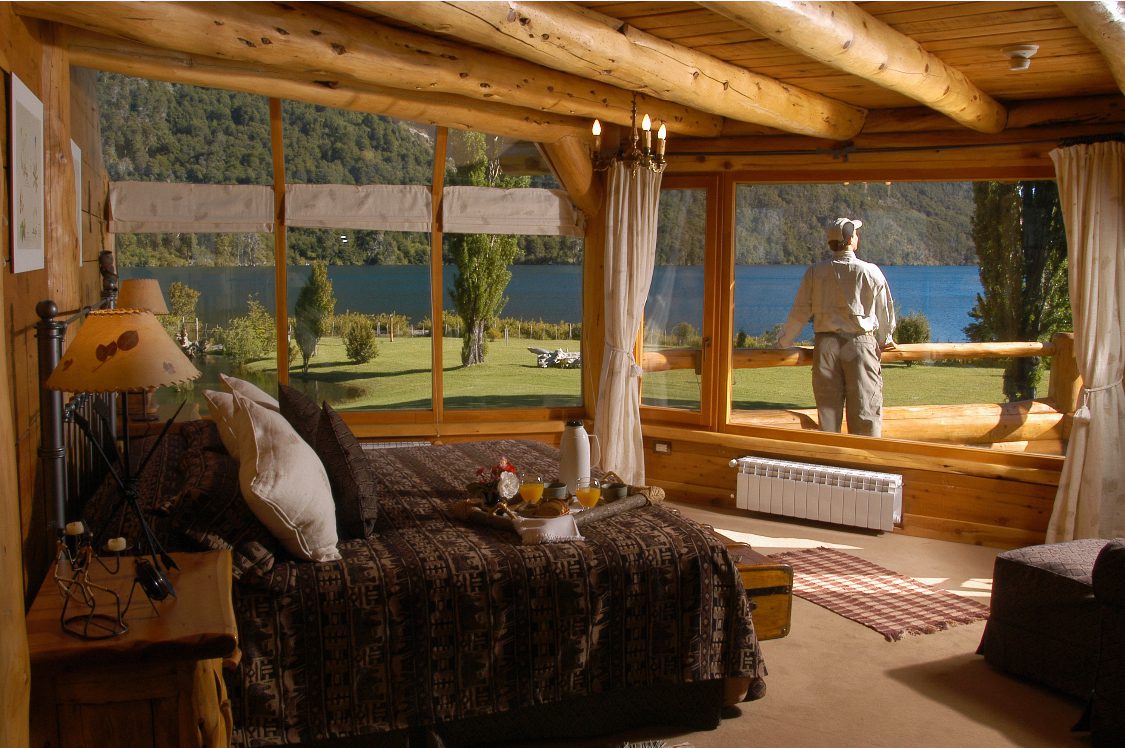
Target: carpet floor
833, 682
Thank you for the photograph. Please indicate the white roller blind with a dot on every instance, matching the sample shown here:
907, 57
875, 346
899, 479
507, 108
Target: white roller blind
153, 207
525, 211
375, 207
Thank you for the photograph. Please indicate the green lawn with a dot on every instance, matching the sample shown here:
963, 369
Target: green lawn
399, 377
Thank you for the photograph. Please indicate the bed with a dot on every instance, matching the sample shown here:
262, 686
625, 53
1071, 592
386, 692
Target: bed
429, 626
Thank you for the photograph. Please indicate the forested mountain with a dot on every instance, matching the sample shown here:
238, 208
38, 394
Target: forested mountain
156, 131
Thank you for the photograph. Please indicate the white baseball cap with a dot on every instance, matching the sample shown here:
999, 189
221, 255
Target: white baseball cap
841, 229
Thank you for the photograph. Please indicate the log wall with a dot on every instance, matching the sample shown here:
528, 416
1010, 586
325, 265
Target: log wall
956, 493
36, 53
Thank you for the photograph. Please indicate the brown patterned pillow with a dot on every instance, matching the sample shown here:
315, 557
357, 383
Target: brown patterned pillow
349, 472
211, 512
202, 433
301, 411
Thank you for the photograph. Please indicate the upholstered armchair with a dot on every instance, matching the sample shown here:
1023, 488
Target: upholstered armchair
1058, 618
1107, 714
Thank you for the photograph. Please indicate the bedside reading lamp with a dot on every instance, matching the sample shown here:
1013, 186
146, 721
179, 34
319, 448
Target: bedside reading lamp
126, 351
142, 293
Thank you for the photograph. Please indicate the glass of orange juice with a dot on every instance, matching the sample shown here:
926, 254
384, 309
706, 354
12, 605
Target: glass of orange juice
531, 487
589, 492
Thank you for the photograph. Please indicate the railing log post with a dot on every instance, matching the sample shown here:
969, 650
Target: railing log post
1065, 384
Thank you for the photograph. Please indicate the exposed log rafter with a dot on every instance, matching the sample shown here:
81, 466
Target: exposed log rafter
578, 41
847, 38
308, 39
88, 49
1103, 25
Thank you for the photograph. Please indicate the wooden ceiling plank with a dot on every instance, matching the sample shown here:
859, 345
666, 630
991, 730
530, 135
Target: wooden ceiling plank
1009, 24
309, 38
567, 38
1105, 27
899, 14
847, 38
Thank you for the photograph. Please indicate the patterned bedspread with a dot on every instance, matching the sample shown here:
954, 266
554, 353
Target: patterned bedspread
431, 619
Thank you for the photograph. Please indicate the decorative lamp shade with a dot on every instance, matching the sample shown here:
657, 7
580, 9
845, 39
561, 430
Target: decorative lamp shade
121, 350
141, 293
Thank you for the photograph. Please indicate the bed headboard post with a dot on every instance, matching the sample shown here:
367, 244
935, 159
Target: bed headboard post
50, 331
110, 284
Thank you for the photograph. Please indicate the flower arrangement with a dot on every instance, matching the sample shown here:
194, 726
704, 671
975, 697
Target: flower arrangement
498, 482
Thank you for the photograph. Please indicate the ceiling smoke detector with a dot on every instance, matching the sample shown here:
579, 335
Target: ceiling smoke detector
1019, 56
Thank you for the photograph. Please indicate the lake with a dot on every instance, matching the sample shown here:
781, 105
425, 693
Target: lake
764, 293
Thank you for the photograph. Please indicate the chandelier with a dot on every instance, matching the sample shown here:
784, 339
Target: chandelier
635, 155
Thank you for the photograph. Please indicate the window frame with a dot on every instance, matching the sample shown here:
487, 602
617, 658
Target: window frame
714, 318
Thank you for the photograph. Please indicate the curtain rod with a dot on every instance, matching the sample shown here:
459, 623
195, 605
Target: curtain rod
842, 152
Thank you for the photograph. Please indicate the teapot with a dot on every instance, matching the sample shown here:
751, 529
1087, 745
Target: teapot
577, 452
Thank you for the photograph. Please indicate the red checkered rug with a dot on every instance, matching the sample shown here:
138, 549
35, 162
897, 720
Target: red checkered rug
890, 603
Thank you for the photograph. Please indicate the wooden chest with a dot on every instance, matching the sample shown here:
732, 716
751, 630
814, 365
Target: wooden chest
769, 585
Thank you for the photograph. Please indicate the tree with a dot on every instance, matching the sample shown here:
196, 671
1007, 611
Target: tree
912, 328
184, 300
481, 260
313, 311
358, 335
1021, 247
249, 337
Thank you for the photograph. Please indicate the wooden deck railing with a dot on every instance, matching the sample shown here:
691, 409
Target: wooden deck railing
1045, 420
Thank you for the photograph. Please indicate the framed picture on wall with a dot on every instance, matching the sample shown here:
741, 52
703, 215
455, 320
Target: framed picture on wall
26, 168
76, 162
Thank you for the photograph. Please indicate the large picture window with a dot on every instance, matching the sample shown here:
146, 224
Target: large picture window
218, 284
678, 319
358, 284
956, 257
512, 327
365, 328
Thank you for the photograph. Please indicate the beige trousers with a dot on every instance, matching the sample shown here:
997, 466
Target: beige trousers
847, 377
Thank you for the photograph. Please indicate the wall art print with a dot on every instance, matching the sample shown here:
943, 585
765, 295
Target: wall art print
76, 162
26, 140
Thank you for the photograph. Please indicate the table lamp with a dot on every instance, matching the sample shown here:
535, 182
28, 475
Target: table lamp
142, 293
125, 351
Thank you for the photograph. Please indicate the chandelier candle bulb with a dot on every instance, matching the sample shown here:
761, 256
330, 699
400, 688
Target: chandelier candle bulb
646, 125
661, 139
597, 130
115, 545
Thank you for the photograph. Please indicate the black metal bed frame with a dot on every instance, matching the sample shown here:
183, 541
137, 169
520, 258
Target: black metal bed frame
71, 467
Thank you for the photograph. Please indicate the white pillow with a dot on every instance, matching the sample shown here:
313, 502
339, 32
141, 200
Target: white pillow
221, 407
249, 391
284, 483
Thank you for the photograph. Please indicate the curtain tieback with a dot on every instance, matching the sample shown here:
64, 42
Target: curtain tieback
1083, 413
634, 369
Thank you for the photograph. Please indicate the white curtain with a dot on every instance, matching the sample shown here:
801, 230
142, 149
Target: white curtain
1090, 502
630, 251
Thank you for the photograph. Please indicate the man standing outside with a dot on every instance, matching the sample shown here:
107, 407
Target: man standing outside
853, 317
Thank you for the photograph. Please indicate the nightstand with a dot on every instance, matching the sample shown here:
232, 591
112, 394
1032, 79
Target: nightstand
158, 684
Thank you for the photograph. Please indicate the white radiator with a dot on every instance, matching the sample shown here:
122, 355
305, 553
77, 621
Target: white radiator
827, 494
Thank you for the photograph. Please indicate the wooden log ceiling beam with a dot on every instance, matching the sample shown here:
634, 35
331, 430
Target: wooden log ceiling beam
845, 37
581, 42
1103, 24
308, 39
91, 50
